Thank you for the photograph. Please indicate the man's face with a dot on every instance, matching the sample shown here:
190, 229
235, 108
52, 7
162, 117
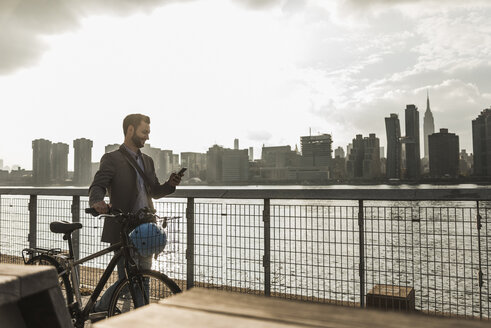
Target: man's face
141, 134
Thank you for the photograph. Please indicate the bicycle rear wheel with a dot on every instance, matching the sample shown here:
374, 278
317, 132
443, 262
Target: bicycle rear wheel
156, 287
63, 280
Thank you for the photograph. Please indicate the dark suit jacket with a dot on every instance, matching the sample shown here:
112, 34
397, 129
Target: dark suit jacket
117, 177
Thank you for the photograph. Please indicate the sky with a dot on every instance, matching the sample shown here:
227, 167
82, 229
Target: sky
263, 71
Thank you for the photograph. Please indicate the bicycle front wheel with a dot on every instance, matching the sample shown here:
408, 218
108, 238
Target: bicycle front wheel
63, 280
153, 287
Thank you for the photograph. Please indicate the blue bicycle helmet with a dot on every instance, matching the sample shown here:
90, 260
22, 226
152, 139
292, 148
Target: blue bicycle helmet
148, 239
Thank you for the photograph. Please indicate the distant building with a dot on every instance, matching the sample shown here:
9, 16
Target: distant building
236, 144
1, 164
465, 163
168, 163
59, 162
251, 154
428, 125
444, 154
279, 163
364, 159
371, 159
413, 156
110, 148
339, 152
41, 162
481, 142
349, 147
316, 150
338, 168
195, 163
82, 175
394, 155
279, 157
354, 164
235, 165
94, 168
382, 152
214, 158
227, 165
154, 153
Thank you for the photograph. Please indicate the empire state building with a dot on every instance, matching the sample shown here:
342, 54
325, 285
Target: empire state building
428, 125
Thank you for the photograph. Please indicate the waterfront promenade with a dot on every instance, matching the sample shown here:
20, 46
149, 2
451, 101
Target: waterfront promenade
321, 245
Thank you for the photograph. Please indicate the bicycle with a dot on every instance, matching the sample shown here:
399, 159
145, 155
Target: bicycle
138, 287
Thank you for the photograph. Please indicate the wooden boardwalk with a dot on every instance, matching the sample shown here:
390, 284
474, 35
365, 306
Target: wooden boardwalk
211, 308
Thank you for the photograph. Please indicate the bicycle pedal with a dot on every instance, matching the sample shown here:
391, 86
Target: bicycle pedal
96, 316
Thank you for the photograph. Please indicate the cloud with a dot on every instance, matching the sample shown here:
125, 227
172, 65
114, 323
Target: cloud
259, 135
24, 22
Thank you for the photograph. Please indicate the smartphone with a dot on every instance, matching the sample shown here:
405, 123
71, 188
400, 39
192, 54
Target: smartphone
181, 172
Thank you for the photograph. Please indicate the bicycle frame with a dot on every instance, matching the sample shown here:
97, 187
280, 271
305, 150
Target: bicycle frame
74, 274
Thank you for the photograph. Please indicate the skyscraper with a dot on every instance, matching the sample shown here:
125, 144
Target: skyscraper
82, 175
481, 142
444, 154
393, 130
413, 156
428, 125
354, 163
236, 144
339, 152
41, 162
235, 165
59, 162
371, 157
251, 154
316, 150
364, 159
214, 157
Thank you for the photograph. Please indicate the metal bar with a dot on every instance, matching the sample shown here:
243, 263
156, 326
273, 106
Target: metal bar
32, 237
479, 250
328, 194
76, 233
190, 244
362, 253
267, 247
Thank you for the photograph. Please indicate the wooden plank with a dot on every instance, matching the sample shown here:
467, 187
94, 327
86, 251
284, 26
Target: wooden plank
158, 315
303, 313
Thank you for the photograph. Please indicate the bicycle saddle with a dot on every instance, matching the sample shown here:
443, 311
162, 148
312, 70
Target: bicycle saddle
64, 226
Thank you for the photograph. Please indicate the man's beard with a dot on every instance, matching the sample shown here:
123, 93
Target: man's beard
137, 141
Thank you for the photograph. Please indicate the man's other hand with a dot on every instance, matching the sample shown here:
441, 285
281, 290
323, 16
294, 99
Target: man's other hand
101, 207
174, 180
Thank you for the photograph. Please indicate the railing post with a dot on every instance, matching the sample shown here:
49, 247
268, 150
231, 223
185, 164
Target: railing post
267, 247
33, 207
362, 253
190, 243
76, 233
480, 274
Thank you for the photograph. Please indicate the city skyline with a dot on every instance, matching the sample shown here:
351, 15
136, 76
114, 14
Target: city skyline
265, 72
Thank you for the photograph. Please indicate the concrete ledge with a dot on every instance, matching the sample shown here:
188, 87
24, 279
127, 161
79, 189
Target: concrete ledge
30, 296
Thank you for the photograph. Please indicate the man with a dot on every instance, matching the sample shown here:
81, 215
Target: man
128, 190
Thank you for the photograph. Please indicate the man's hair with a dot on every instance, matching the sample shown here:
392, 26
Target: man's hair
135, 120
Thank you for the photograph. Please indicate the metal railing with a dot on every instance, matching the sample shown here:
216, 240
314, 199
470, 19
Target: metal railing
323, 245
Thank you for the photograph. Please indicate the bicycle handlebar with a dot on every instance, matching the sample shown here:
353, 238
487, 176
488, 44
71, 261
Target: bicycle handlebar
142, 215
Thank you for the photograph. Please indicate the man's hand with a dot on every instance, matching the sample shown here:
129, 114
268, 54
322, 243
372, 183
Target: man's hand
174, 180
101, 207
